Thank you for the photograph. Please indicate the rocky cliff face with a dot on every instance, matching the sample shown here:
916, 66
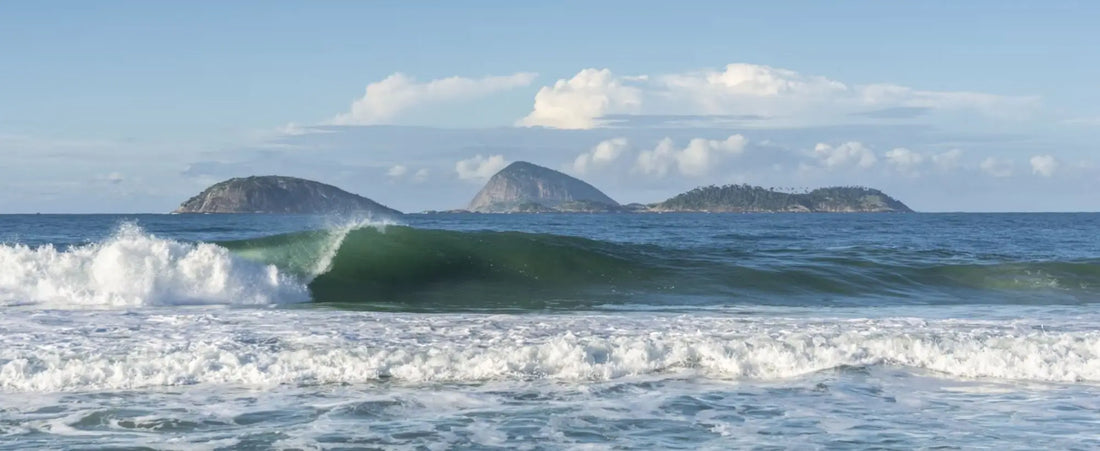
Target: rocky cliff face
525, 187
745, 198
276, 194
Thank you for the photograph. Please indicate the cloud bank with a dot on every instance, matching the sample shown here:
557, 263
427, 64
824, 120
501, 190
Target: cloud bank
697, 159
784, 96
387, 99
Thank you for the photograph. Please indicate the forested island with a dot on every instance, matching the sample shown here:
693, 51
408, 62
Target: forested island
755, 199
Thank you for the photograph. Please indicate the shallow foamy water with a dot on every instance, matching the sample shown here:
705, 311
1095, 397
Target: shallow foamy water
195, 378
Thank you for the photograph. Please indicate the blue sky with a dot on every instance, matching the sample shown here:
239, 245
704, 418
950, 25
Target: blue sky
135, 106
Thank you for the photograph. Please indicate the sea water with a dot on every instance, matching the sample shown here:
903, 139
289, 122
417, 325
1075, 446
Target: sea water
815, 331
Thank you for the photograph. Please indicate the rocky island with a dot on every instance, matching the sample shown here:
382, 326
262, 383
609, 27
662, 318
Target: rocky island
755, 199
277, 194
523, 187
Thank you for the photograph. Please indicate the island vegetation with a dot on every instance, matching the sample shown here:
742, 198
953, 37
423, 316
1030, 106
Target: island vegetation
746, 198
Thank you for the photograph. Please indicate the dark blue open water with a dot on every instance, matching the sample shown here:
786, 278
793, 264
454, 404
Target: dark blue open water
551, 331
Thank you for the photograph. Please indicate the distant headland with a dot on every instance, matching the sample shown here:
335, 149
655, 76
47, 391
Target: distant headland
278, 194
523, 187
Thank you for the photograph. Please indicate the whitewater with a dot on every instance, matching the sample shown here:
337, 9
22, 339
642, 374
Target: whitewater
550, 331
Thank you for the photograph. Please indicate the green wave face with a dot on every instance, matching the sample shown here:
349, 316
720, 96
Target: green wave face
436, 267
304, 254
425, 269
399, 267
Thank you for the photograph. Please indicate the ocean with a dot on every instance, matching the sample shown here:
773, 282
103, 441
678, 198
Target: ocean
649, 331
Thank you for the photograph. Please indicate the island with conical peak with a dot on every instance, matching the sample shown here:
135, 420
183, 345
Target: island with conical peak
279, 194
522, 187
754, 199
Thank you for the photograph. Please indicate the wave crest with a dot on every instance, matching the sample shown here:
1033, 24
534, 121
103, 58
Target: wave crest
134, 268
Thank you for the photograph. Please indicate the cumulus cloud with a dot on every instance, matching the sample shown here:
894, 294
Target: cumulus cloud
905, 160
397, 171
578, 103
785, 96
846, 155
947, 160
479, 168
696, 159
997, 167
402, 172
748, 89
384, 100
603, 154
1044, 165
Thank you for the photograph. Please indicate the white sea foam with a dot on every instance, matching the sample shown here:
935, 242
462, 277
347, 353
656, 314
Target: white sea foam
134, 268
100, 350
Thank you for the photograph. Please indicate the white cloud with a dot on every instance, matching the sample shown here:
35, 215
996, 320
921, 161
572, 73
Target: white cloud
658, 161
401, 171
747, 89
386, 99
695, 160
579, 102
905, 160
846, 155
947, 160
479, 168
757, 80
784, 96
603, 154
997, 167
397, 171
1044, 165
700, 154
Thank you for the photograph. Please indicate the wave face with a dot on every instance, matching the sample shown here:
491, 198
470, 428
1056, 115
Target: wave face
434, 268
133, 268
382, 266
95, 351
402, 267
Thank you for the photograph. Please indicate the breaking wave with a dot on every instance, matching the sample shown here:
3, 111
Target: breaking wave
133, 268
384, 266
265, 348
423, 268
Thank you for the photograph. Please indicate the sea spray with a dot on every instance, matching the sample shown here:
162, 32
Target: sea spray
134, 268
